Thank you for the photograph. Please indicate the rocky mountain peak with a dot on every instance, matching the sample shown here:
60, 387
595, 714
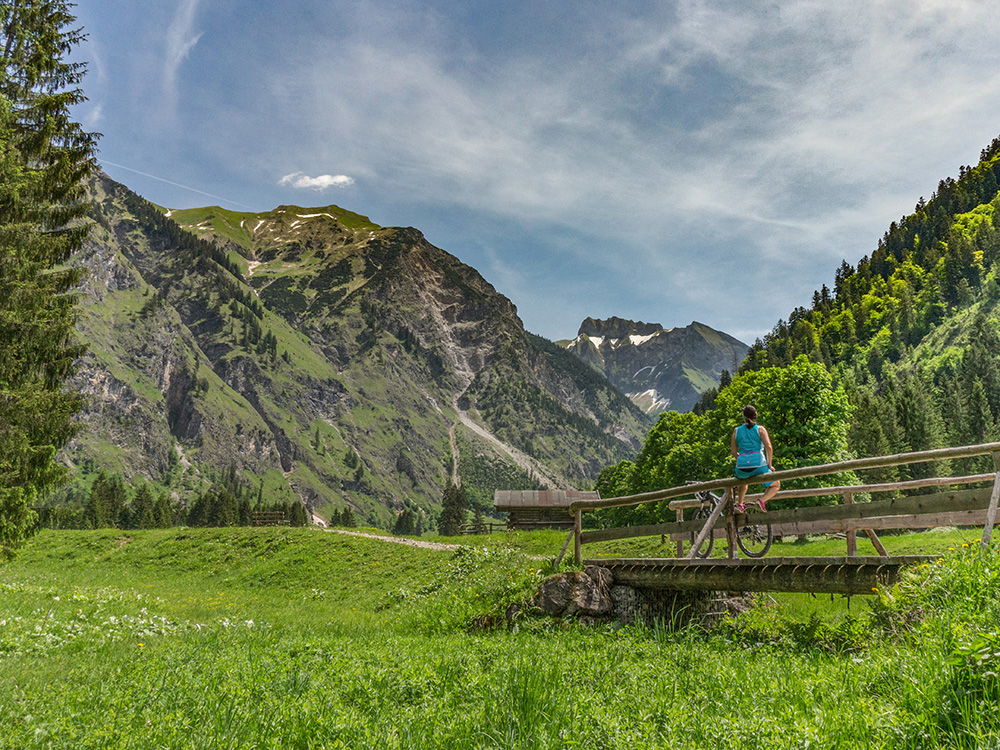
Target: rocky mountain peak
657, 368
617, 328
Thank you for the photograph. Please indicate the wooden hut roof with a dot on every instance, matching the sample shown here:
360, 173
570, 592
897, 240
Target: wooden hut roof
514, 499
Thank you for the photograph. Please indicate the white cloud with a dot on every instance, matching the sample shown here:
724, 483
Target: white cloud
320, 182
181, 39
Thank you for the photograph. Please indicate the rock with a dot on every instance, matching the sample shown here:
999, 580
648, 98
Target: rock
587, 592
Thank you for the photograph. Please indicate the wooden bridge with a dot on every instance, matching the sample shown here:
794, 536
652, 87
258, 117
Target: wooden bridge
850, 574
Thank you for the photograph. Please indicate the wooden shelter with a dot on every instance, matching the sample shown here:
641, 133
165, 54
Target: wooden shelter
539, 509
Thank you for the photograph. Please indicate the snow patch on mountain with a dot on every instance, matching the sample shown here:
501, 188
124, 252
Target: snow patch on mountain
650, 401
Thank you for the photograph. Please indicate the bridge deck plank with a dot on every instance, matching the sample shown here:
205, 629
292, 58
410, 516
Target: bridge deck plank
763, 561
833, 575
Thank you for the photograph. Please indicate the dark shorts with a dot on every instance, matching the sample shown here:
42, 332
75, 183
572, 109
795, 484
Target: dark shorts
765, 469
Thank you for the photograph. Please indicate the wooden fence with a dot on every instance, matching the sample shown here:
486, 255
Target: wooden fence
269, 518
485, 527
972, 507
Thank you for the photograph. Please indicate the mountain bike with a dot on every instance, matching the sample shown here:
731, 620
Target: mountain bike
752, 536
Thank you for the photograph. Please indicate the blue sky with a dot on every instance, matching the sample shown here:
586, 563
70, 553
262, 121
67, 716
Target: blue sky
661, 161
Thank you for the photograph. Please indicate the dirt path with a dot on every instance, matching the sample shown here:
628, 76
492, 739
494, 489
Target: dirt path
399, 540
414, 542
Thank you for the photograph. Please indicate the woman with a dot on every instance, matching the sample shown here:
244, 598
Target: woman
751, 447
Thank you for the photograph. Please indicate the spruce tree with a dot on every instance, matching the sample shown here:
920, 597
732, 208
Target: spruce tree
163, 512
453, 509
405, 523
297, 514
143, 504
45, 160
867, 433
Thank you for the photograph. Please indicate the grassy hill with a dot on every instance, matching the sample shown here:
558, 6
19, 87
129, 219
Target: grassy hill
296, 638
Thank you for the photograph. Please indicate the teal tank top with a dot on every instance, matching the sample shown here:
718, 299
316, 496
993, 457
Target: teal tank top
748, 439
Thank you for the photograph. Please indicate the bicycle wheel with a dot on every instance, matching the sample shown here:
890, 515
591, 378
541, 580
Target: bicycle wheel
754, 537
705, 549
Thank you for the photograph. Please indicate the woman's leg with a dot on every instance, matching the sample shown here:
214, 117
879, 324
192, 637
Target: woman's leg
741, 492
769, 493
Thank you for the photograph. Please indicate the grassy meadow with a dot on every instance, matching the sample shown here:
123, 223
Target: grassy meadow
296, 638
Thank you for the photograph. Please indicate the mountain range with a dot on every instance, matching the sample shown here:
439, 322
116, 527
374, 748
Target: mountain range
325, 358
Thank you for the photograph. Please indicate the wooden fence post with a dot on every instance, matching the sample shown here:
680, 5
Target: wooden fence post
577, 536
877, 543
708, 528
565, 545
852, 536
680, 540
991, 512
727, 501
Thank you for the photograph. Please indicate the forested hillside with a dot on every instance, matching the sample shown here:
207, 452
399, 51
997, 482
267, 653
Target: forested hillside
903, 354
912, 331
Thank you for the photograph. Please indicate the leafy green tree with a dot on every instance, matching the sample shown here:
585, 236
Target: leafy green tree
616, 480
45, 159
807, 417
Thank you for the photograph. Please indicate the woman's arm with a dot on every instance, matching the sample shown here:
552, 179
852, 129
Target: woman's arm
732, 443
768, 449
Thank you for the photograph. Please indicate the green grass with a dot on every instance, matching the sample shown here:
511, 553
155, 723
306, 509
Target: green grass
274, 638
229, 224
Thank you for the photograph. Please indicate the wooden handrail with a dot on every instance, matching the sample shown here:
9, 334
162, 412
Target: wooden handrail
875, 462
911, 484
939, 502
919, 505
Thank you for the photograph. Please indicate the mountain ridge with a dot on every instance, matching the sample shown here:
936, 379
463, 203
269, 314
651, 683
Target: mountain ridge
327, 357
657, 368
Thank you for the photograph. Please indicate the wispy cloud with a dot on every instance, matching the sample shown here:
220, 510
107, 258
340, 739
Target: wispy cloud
702, 145
775, 131
181, 39
318, 183
171, 182
93, 115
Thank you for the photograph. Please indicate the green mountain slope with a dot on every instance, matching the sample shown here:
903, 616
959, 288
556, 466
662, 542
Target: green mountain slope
328, 357
913, 332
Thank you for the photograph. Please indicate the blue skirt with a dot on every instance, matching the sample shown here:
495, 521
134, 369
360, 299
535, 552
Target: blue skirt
746, 474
